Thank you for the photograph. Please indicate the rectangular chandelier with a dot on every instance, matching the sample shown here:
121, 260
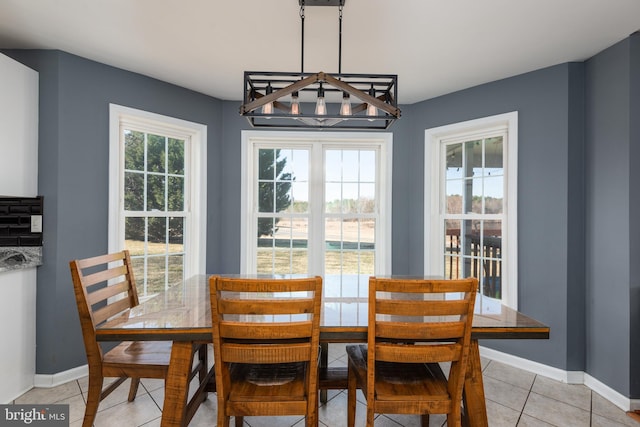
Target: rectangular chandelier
320, 100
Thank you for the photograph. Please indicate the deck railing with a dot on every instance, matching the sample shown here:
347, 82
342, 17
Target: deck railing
482, 260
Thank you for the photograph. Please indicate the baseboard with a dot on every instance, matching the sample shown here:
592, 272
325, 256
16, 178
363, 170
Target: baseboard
611, 395
569, 377
53, 380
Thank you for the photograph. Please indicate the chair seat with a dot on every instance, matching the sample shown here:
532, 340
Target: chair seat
401, 381
277, 382
133, 353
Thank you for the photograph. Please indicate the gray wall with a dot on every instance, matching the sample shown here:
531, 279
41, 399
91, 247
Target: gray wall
575, 192
612, 203
73, 177
634, 212
546, 116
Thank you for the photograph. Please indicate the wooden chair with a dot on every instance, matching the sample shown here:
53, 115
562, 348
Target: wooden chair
266, 342
412, 327
104, 288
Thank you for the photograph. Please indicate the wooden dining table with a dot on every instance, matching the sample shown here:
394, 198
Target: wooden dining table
182, 314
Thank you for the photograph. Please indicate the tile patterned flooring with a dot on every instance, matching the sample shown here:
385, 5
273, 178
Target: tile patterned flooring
514, 398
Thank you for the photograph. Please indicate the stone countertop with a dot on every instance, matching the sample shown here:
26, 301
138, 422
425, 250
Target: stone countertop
20, 257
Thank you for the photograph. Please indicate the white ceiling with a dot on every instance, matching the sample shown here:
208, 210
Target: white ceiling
435, 46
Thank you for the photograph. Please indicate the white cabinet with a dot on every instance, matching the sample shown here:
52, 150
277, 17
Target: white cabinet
18, 177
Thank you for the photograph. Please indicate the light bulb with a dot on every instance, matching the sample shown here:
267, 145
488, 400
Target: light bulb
345, 108
295, 104
321, 106
268, 108
371, 109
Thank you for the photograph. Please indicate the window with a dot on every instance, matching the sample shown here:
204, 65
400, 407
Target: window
470, 204
157, 196
317, 203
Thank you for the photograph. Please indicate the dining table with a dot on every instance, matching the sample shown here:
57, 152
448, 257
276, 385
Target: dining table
182, 314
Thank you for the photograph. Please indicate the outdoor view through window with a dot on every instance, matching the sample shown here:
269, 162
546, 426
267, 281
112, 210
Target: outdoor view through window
474, 187
154, 208
300, 197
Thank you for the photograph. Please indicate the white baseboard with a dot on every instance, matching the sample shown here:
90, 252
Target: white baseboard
569, 377
611, 395
528, 365
48, 381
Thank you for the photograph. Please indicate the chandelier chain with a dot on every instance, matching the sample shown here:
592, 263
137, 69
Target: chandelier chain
302, 38
340, 37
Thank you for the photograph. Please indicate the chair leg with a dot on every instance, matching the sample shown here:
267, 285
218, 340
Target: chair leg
311, 418
133, 390
424, 420
351, 397
223, 420
454, 419
239, 421
93, 399
370, 415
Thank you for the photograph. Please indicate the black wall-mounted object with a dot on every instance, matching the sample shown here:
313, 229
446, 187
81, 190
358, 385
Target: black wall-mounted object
21, 221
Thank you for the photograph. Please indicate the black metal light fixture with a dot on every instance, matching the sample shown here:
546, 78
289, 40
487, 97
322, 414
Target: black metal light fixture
337, 101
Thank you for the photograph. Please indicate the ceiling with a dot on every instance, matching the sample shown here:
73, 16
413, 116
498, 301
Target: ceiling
435, 46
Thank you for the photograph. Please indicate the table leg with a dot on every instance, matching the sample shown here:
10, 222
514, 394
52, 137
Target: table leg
473, 393
324, 362
176, 389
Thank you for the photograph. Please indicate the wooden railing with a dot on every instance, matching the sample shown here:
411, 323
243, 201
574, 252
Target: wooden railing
482, 261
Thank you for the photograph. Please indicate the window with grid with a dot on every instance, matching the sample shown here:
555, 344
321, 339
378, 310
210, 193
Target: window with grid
318, 204
471, 204
153, 167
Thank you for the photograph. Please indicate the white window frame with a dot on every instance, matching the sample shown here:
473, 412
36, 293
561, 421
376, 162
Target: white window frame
434, 187
195, 175
315, 141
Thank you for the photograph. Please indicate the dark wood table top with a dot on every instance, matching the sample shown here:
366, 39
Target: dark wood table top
183, 313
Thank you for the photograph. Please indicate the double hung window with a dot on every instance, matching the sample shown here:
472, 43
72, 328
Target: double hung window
317, 204
157, 196
470, 196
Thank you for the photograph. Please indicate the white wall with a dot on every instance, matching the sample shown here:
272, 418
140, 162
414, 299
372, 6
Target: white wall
18, 177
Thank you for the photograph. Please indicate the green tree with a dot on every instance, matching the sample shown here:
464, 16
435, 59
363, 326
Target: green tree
163, 169
273, 188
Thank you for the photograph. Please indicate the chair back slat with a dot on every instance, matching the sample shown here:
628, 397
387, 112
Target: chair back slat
107, 292
420, 331
240, 306
259, 285
265, 353
102, 314
432, 353
270, 331
104, 275
422, 286
99, 260
421, 307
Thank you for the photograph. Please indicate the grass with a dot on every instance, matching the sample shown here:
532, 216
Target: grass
285, 261
163, 268
269, 261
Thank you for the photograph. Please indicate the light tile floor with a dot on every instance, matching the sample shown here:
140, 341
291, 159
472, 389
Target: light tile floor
514, 398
